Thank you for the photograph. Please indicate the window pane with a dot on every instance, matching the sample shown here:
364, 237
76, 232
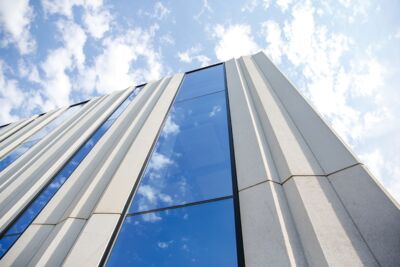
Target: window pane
202, 235
191, 161
202, 82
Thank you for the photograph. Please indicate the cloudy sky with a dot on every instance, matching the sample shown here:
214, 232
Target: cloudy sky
342, 55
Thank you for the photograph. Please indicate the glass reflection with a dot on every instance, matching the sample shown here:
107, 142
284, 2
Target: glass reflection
202, 235
191, 161
6, 242
202, 82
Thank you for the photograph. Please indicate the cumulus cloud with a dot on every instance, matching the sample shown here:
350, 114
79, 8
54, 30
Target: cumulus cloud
56, 81
193, 53
15, 20
115, 67
13, 97
234, 41
96, 17
251, 5
97, 21
170, 127
159, 161
273, 37
283, 4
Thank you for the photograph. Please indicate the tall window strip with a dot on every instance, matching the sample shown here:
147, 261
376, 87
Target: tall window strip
10, 235
182, 213
35, 138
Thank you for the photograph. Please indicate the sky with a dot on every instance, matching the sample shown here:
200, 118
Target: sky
343, 56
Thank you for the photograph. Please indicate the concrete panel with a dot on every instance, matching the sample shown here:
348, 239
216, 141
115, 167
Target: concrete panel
93, 240
59, 242
269, 235
79, 195
331, 153
291, 154
254, 162
327, 233
12, 142
29, 183
376, 215
26, 246
29, 157
118, 191
15, 127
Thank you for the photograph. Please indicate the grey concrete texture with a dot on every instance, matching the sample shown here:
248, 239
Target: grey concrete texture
269, 235
373, 211
29, 158
15, 128
81, 192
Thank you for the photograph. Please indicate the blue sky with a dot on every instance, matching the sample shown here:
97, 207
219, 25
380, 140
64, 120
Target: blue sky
342, 55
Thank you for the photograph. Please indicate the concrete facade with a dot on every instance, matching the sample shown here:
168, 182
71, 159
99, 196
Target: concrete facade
305, 199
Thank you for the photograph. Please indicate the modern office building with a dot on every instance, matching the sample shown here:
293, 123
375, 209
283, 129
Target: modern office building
222, 166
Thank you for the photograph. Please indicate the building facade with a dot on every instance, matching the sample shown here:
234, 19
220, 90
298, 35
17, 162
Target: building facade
222, 166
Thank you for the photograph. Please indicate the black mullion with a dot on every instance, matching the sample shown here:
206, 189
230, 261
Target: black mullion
180, 206
195, 97
235, 190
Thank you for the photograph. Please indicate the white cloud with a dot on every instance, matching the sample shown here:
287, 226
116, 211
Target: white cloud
151, 217
15, 19
234, 41
214, 111
96, 18
159, 11
205, 8
115, 67
159, 161
283, 4
273, 37
251, 5
56, 81
97, 21
170, 127
162, 245
167, 39
12, 97
193, 53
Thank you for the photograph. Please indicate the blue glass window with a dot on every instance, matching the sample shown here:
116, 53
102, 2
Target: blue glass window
201, 235
202, 82
35, 138
182, 213
34, 208
191, 161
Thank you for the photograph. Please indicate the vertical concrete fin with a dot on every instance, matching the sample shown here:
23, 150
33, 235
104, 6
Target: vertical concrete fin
28, 183
331, 153
290, 152
269, 236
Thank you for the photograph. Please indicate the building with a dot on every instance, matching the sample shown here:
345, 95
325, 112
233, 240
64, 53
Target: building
222, 166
